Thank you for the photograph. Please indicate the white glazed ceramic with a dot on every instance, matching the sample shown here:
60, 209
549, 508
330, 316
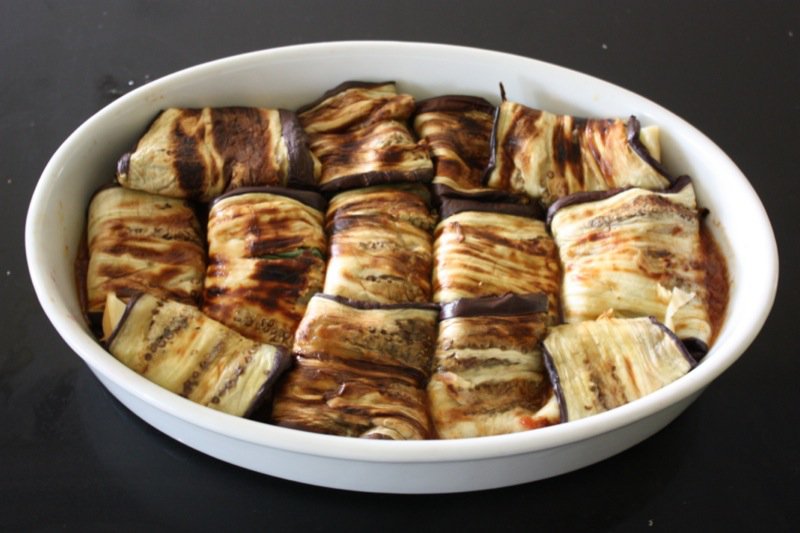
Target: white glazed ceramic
289, 77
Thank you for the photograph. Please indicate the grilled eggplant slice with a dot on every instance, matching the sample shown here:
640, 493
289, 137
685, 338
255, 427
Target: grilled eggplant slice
358, 132
489, 377
637, 252
265, 260
458, 130
179, 348
601, 364
141, 242
199, 153
360, 370
548, 156
492, 249
380, 245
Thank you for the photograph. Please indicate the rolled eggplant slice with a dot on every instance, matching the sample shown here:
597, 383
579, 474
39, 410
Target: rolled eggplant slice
380, 245
601, 364
548, 156
200, 153
637, 252
140, 242
266, 255
489, 252
457, 130
360, 371
489, 376
179, 348
358, 133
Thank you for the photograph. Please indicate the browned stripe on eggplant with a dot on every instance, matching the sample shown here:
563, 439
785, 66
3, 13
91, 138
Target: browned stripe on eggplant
241, 138
301, 164
190, 167
140, 242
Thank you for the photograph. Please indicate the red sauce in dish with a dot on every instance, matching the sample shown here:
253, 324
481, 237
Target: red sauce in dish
717, 280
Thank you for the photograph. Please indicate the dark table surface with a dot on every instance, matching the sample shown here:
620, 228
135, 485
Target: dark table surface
71, 457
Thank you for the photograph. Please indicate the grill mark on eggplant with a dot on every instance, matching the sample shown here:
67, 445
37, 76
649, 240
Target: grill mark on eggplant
271, 305
567, 147
301, 164
241, 138
142, 242
188, 163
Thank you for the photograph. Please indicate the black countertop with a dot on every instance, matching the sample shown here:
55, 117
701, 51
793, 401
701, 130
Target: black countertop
72, 457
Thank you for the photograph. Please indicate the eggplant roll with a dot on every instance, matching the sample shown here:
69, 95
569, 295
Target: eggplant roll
360, 370
490, 253
266, 258
457, 130
200, 153
358, 133
380, 245
601, 364
140, 242
637, 252
489, 376
179, 348
548, 156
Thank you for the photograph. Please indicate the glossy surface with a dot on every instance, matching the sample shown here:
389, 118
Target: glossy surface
74, 458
